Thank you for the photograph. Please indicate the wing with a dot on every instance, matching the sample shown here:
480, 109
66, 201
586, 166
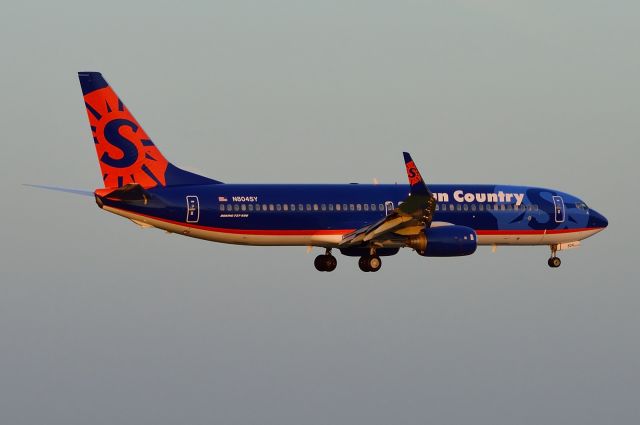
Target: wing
411, 216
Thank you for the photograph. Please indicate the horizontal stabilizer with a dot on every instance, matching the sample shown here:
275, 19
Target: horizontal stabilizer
62, 189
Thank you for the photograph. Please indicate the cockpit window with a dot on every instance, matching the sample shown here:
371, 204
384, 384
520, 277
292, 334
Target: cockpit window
582, 206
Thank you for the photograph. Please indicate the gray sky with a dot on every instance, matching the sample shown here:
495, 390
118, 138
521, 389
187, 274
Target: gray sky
103, 323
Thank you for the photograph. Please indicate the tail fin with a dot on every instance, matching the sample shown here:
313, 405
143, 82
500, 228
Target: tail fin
125, 153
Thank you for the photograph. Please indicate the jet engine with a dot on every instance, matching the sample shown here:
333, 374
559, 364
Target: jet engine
444, 241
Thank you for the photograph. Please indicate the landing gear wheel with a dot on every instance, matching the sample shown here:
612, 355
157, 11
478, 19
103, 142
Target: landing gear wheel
369, 263
319, 263
325, 263
554, 262
363, 264
330, 263
374, 263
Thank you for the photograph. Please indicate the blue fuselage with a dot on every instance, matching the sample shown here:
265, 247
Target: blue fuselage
320, 214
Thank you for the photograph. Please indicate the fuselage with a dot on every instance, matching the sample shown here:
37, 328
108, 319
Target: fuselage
321, 214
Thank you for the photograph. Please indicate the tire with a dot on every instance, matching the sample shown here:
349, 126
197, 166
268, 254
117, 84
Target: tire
554, 262
363, 264
330, 263
319, 263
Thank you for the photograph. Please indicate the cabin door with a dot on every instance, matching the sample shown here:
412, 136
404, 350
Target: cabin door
388, 207
193, 209
558, 206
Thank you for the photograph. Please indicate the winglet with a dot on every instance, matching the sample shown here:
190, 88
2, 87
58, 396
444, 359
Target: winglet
418, 186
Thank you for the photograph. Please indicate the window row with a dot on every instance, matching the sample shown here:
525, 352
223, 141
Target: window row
301, 207
486, 207
369, 207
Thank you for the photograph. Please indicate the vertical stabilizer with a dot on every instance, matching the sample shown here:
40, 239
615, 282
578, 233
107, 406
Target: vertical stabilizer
125, 152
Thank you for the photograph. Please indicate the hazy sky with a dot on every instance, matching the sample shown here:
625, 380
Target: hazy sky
104, 323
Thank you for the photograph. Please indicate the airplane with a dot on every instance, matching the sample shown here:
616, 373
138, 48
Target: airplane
367, 221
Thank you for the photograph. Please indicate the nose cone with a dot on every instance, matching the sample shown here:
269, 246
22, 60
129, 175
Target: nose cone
597, 220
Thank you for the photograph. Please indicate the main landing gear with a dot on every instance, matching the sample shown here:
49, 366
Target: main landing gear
326, 262
368, 263
371, 262
554, 262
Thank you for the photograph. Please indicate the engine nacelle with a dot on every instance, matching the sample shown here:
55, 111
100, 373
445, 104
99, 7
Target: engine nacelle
445, 241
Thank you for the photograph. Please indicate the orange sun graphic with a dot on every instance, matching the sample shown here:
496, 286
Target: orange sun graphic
125, 152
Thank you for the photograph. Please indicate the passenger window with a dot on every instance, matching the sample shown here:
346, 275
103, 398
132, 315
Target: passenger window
250, 206
243, 207
315, 207
366, 207
373, 207
465, 207
271, 207
480, 207
300, 207
308, 207
337, 207
330, 207
451, 207
236, 207
323, 207
358, 207
502, 207
352, 207
344, 207
473, 207
292, 207
221, 207
380, 207
264, 207
285, 207
278, 207
459, 207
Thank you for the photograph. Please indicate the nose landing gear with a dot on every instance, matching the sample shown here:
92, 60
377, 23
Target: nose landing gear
554, 262
326, 262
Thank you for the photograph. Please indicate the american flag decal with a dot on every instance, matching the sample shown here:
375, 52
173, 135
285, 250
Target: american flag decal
222, 199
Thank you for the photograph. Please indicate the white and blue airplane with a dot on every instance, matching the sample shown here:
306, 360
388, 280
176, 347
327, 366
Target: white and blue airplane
359, 220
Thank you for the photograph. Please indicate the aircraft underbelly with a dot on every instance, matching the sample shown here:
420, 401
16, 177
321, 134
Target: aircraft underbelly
235, 236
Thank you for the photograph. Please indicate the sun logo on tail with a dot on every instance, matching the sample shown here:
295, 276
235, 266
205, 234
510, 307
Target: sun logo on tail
413, 173
126, 153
